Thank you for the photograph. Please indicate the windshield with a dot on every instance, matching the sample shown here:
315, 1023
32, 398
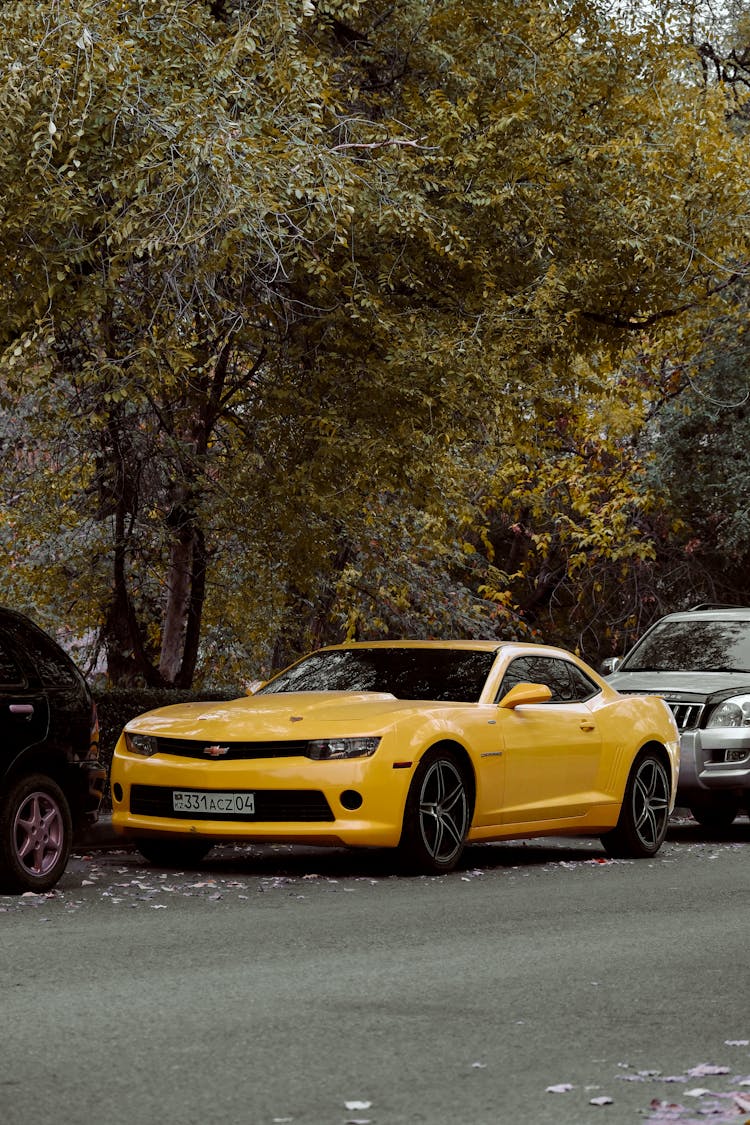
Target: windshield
692, 646
457, 675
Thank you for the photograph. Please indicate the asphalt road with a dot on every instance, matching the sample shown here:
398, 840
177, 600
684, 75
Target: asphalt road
540, 984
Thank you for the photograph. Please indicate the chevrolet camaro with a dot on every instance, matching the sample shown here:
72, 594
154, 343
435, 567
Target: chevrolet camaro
419, 746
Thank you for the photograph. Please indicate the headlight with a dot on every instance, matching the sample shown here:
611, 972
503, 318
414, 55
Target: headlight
325, 749
733, 712
144, 744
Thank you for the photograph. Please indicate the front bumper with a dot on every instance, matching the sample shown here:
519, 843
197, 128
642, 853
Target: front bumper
296, 800
715, 760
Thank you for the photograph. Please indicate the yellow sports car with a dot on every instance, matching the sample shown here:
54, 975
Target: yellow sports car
419, 746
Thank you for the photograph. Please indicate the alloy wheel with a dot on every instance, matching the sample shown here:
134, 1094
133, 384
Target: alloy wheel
443, 810
39, 833
651, 802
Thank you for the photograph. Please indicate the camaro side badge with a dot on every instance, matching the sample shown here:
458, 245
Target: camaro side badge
216, 751
295, 718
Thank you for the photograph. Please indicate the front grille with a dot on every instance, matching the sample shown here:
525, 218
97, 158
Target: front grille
271, 805
686, 715
192, 748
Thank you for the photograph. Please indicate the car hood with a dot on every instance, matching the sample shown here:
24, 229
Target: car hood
698, 686
296, 715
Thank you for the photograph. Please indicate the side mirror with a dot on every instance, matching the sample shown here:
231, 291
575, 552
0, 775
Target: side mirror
525, 693
255, 685
610, 665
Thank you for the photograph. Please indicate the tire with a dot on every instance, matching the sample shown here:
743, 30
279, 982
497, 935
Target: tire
717, 816
36, 834
644, 816
437, 815
173, 852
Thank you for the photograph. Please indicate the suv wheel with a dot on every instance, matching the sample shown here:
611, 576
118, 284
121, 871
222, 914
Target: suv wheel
717, 815
36, 834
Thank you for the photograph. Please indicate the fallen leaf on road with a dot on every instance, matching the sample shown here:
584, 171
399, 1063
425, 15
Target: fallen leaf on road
561, 1088
603, 1100
704, 1070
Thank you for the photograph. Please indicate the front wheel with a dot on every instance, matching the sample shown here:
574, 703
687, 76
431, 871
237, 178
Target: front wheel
437, 814
644, 816
36, 834
717, 816
173, 852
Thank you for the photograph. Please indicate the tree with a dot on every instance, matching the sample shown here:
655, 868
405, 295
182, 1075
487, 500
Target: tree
279, 275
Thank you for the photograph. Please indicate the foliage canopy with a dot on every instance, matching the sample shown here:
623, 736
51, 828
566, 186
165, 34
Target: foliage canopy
336, 318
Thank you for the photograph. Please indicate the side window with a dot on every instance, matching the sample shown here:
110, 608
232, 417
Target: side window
583, 687
565, 680
10, 673
517, 672
51, 664
540, 670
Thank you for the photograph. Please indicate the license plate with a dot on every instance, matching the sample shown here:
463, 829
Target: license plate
191, 800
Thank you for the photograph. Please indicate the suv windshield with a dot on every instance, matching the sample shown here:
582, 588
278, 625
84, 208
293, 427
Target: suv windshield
692, 646
408, 673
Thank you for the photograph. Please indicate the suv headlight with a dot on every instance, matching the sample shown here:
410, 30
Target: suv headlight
733, 712
326, 749
143, 744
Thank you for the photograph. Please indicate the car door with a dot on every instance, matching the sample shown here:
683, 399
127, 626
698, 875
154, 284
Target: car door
552, 750
24, 715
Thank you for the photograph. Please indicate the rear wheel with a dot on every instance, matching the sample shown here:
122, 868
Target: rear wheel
644, 816
36, 834
173, 852
437, 814
717, 815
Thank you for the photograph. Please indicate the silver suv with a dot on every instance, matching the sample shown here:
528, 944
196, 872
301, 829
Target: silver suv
699, 662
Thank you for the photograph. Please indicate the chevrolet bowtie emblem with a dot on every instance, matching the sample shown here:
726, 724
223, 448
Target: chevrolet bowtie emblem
216, 751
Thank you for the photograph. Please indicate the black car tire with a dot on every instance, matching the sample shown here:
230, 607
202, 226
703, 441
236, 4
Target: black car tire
36, 834
173, 852
716, 816
437, 814
644, 815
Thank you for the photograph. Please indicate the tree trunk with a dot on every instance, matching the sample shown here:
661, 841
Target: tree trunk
178, 583
127, 660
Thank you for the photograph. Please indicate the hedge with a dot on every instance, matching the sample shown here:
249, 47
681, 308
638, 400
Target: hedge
117, 706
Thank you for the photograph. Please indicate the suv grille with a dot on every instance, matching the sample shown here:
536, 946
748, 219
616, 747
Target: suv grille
686, 715
272, 805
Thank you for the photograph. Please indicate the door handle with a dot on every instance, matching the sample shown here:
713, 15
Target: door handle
588, 726
26, 709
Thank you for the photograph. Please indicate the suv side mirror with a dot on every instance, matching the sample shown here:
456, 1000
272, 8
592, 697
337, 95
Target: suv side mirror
525, 693
610, 665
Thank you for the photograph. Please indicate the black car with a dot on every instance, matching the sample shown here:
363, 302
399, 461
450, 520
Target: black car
51, 780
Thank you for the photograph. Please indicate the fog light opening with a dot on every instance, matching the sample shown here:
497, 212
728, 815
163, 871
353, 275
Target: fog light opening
351, 799
117, 791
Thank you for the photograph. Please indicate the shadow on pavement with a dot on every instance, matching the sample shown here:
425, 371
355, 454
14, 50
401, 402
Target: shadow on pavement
297, 861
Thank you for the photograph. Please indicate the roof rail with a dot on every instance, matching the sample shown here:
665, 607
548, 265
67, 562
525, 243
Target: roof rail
716, 605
